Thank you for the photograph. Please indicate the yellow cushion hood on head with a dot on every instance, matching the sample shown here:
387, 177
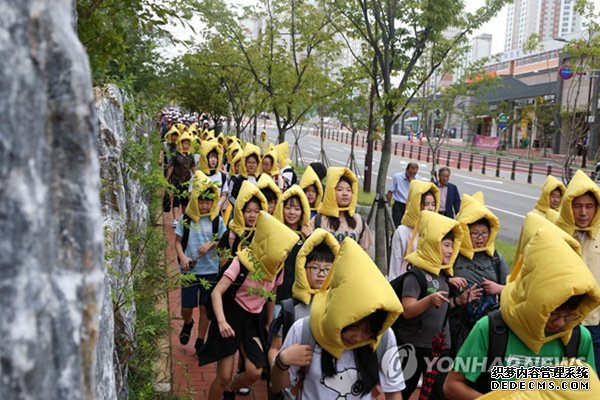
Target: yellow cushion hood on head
413, 203
249, 150
283, 154
356, 290
432, 228
472, 209
309, 177
552, 272
231, 148
200, 184
181, 138
579, 185
269, 248
168, 137
265, 181
206, 147
329, 206
180, 127
550, 184
247, 191
533, 222
294, 190
301, 289
274, 156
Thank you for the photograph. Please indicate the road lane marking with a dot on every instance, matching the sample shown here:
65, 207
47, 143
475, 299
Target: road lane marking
477, 179
505, 211
502, 191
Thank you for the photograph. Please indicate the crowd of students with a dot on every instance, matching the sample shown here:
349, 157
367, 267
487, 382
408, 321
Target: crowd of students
279, 267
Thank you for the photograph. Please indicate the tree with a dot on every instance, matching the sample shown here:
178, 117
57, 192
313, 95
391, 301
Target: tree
288, 58
399, 34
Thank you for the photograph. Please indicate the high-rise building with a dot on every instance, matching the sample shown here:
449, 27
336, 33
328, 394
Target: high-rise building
547, 18
481, 46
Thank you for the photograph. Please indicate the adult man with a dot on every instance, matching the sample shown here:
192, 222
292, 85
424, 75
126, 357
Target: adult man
399, 189
579, 217
449, 196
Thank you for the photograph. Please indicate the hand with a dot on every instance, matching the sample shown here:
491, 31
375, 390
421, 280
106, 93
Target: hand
226, 330
306, 230
297, 354
491, 287
204, 248
438, 298
471, 294
459, 283
185, 264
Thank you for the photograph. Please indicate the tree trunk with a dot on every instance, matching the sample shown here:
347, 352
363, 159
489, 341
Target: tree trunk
380, 219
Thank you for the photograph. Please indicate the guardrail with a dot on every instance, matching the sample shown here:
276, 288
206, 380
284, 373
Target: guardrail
454, 158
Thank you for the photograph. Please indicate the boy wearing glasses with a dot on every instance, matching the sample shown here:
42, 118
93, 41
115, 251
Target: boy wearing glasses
550, 292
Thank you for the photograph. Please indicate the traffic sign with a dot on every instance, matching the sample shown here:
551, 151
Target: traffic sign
502, 125
565, 71
503, 118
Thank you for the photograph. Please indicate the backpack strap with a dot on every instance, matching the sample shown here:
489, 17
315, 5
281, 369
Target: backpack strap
421, 279
186, 221
317, 221
496, 263
497, 343
362, 229
288, 315
572, 348
307, 337
223, 180
215, 226
380, 351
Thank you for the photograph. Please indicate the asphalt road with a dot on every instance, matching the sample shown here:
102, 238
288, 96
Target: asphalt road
509, 200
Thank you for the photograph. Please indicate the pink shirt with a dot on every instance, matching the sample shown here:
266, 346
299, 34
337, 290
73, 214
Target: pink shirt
252, 303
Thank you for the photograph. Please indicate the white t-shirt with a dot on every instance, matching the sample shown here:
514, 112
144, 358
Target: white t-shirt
400, 241
344, 384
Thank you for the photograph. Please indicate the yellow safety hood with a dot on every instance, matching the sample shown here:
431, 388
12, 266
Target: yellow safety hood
283, 154
550, 184
265, 181
579, 185
309, 177
301, 290
294, 190
413, 203
472, 209
356, 289
269, 248
247, 191
181, 138
249, 150
329, 206
552, 272
206, 147
275, 168
432, 228
201, 183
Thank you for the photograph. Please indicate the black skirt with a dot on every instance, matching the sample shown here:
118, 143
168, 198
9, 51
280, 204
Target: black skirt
246, 326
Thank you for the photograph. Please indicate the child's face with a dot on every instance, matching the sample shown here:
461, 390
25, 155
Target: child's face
185, 145
271, 206
357, 333
251, 164
251, 211
343, 194
447, 251
204, 206
559, 319
292, 213
236, 167
316, 272
428, 203
555, 198
311, 194
267, 164
212, 160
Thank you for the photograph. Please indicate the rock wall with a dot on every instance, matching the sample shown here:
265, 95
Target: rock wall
52, 277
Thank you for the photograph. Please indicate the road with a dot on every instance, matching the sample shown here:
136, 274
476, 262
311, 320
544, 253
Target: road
509, 200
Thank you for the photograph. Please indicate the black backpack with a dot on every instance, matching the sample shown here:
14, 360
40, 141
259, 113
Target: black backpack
498, 341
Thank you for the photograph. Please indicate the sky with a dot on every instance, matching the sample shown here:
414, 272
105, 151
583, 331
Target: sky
496, 27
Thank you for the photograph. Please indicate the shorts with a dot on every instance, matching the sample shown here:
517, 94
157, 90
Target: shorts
181, 195
196, 294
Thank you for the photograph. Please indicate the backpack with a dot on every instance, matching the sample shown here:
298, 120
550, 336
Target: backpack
229, 294
186, 231
398, 284
498, 342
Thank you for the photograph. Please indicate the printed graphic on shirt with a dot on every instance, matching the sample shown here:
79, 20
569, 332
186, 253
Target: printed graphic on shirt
344, 383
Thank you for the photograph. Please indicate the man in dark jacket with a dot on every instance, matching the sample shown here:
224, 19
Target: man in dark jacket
449, 196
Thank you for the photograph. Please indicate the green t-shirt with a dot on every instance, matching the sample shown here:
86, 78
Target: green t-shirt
471, 358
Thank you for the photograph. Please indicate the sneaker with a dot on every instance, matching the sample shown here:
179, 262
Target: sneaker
174, 224
184, 335
198, 345
243, 391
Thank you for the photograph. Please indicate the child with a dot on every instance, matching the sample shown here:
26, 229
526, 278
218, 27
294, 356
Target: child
199, 258
211, 163
337, 214
551, 196
237, 324
313, 265
540, 310
180, 170
285, 165
313, 189
241, 227
270, 190
347, 336
249, 168
426, 313
421, 196
270, 167
293, 211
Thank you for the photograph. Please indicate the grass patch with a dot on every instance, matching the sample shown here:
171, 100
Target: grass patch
507, 250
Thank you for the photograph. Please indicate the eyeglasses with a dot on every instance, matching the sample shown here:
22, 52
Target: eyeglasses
566, 316
319, 270
479, 234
